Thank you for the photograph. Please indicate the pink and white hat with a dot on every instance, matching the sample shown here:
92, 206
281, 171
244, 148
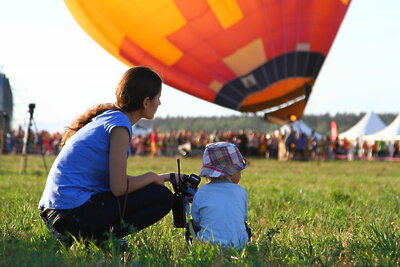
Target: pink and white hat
221, 159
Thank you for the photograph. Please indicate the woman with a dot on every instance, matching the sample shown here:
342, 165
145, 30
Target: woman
88, 192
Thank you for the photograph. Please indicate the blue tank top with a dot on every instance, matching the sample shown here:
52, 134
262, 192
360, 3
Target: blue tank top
82, 167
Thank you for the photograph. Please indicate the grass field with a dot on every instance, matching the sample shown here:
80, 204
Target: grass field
333, 213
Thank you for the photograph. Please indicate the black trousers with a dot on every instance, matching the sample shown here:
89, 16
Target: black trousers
102, 214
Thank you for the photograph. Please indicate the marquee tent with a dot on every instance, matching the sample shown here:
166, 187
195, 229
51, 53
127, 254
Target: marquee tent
369, 124
300, 127
390, 133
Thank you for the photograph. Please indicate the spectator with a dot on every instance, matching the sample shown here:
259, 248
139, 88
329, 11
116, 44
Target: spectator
381, 148
396, 146
300, 147
290, 144
154, 143
241, 142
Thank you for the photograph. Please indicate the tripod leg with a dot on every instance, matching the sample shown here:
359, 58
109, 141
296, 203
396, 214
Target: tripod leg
27, 137
41, 148
23, 165
24, 158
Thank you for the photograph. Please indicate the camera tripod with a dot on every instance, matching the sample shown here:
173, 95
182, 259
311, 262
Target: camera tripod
27, 137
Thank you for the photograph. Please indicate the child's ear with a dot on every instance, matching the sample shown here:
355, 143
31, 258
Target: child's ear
146, 102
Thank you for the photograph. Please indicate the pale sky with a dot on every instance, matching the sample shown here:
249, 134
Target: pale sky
53, 63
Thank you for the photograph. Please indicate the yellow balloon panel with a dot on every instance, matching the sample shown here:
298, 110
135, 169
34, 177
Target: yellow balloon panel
240, 54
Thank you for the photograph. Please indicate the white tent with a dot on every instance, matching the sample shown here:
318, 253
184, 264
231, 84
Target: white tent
141, 129
369, 124
300, 127
390, 133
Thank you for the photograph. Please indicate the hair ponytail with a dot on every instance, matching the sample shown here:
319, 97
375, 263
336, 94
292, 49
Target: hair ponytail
85, 118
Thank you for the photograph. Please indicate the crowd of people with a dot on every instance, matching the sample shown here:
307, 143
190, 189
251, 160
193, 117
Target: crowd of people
273, 145
44, 142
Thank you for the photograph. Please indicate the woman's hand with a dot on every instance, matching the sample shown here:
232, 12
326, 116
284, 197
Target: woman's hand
176, 176
161, 178
165, 177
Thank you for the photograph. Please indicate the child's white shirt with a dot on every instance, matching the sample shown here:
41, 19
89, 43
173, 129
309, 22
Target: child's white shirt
220, 209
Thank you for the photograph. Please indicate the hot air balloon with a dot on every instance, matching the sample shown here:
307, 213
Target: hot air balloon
246, 55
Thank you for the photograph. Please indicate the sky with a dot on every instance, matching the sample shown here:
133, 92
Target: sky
53, 63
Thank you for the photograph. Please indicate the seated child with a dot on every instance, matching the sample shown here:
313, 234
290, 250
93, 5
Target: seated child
219, 208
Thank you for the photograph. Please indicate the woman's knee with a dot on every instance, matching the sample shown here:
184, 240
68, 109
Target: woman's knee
161, 192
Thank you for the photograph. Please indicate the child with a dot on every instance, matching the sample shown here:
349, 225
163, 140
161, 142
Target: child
219, 208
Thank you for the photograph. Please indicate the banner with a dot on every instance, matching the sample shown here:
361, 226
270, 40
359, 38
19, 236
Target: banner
334, 131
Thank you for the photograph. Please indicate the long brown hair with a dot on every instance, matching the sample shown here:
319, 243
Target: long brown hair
135, 86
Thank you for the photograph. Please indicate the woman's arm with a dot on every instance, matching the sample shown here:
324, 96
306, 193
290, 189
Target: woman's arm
119, 142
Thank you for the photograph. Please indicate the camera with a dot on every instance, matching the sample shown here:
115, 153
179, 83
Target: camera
31, 108
187, 185
184, 188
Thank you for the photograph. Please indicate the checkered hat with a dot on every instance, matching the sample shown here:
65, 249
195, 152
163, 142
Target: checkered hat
221, 159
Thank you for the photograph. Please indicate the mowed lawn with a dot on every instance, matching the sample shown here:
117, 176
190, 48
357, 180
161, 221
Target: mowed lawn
324, 213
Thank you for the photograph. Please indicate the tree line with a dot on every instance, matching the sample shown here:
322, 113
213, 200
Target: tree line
321, 123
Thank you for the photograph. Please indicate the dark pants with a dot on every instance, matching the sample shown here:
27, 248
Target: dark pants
102, 214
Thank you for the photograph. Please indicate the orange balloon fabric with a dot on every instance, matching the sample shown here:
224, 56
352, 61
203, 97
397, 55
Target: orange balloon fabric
246, 55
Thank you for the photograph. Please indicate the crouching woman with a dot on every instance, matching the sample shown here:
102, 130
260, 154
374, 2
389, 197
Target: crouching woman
88, 192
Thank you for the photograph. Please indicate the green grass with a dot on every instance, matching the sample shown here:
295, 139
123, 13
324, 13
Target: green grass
330, 213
